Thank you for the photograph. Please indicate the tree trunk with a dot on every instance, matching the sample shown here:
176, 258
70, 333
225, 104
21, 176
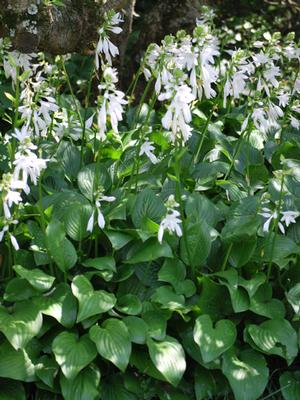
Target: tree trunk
58, 29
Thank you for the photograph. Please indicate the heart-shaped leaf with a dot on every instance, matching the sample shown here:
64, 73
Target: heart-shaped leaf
91, 302
169, 358
37, 278
246, 372
275, 337
84, 386
195, 248
73, 353
23, 324
113, 342
59, 304
213, 341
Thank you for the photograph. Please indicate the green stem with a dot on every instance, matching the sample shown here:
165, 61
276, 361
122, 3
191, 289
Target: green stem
85, 115
201, 141
72, 92
275, 227
223, 267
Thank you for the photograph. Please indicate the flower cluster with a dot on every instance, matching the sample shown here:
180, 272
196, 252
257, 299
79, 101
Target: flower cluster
171, 221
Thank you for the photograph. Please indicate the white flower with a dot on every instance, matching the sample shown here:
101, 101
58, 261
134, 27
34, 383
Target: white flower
147, 149
28, 165
178, 115
171, 223
14, 242
100, 217
104, 45
289, 217
270, 215
283, 99
295, 122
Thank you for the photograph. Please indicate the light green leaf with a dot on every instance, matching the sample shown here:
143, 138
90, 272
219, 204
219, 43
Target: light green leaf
101, 263
36, 277
172, 271
113, 342
169, 358
213, 341
73, 353
23, 324
91, 302
84, 386
274, 337
246, 372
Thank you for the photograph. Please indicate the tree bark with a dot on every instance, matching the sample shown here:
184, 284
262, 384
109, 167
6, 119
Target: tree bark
58, 29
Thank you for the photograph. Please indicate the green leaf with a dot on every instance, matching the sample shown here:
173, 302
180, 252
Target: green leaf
242, 252
148, 251
129, 304
209, 384
290, 385
202, 209
46, 370
263, 304
166, 296
239, 296
11, 390
92, 178
68, 154
37, 278
213, 299
76, 219
274, 337
169, 358
113, 342
60, 248
84, 386
293, 297
101, 263
15, 364
91, 302
195, 248
157, 324
23, 324
147, 205
18, 289
59, 304
137, 329
213, 341
73, 353
276, 248
118, 239
246, 372
172, 271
